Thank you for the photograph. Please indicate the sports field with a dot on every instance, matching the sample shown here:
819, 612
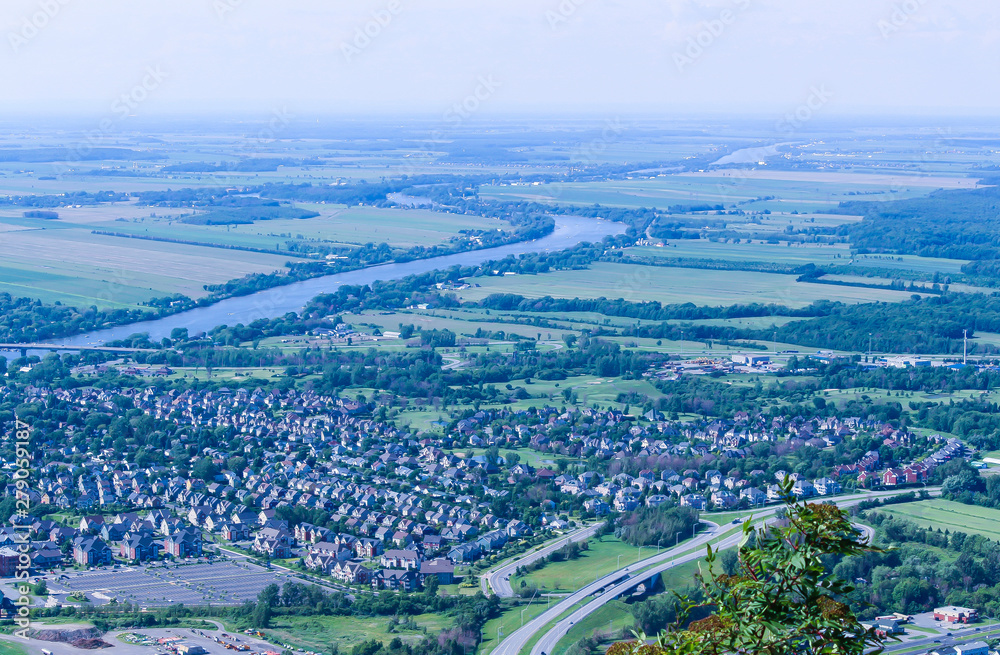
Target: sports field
947, 514
675, 285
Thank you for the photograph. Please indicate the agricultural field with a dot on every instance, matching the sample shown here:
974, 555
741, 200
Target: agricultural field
786, 253
336, 225
950, 515
676, 285
62, 260
66, 263
791, 193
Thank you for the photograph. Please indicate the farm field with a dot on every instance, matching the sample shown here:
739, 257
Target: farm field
61, 260
78, 268
400, 228
947, 514
794, 254
728, 189
675, 285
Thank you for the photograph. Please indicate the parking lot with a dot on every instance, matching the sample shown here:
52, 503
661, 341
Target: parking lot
224, 583
162, 642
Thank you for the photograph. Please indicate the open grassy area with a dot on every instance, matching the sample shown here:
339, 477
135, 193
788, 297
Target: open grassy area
10, 648
675, 285
336, 225
65, 262
62, 260
947, 514
610, 619
508, 622
569, 575
790, 192
318, 632
794, 254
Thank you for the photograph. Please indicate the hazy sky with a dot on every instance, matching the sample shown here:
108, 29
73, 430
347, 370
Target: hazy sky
551, 56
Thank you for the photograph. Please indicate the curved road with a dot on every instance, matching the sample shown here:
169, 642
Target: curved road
499, 579
604, 593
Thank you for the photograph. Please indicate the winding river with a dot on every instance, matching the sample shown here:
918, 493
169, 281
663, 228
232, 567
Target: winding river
271, 303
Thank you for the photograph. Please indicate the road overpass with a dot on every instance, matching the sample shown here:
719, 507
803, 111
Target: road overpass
612, 585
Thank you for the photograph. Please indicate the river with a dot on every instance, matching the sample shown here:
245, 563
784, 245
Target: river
271, 303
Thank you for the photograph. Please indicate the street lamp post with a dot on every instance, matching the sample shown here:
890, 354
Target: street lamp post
619, 561
640, 555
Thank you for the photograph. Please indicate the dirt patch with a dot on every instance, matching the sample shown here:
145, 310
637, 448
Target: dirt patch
88, 639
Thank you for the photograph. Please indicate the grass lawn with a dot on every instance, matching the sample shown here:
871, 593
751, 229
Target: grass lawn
570, 575
609, 619
947, 514
508, 622
318, 632
9, 648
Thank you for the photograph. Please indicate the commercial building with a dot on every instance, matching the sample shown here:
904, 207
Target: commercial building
953, 614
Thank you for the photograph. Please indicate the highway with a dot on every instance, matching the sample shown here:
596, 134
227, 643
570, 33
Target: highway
518, 639
603, 593
498, 580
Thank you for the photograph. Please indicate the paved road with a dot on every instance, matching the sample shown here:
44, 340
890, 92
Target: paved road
980, 632
498, 580
518, 639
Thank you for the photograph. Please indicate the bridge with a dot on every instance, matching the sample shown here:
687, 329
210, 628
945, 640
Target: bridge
25, 347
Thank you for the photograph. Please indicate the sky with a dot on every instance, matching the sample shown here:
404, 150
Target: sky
458, 58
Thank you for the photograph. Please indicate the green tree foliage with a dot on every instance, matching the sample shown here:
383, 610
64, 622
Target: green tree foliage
782, 600
647, 526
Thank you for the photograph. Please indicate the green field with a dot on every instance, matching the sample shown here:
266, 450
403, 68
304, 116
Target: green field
794, 254
10, 648
675, 285
569, 575
610, 619
61, 260
318, 632
509, 621
336, 225
947, 514
793, 193
65, 262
